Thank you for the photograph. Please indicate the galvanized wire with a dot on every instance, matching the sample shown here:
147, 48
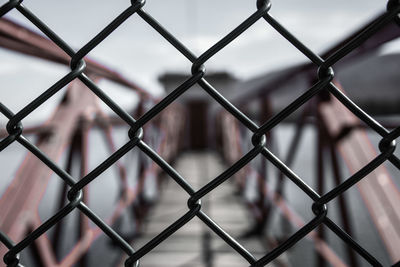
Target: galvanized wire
324, 76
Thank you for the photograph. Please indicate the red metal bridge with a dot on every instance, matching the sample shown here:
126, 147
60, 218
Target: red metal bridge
200, 140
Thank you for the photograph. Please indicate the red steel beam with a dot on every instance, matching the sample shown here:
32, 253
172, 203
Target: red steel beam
388, 33
233, 137
20, 202
18, 38
377, 189
297, 221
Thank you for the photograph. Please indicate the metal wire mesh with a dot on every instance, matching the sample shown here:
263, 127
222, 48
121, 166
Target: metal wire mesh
325, 76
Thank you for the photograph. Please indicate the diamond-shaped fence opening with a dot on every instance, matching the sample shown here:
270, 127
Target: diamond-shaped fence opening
159, 139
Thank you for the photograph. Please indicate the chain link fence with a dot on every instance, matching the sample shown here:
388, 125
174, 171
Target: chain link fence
324, 82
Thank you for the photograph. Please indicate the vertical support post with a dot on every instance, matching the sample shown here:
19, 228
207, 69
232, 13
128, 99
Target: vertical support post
137, 208
342, 204
265, 114
74, 146
107, 132
320, 175
84, 162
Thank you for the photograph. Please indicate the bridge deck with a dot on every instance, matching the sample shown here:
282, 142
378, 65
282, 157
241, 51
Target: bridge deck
195, 245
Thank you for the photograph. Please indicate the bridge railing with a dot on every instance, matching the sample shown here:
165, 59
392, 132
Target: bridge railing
69, 126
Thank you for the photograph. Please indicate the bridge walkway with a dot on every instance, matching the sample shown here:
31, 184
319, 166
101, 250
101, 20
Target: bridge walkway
195, 245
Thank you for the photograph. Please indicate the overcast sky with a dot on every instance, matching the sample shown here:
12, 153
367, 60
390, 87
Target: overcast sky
139, 53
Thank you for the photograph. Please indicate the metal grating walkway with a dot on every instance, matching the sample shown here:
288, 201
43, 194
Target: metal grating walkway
194, 245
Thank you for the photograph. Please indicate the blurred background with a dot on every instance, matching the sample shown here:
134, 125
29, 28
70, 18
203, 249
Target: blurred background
258, 206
